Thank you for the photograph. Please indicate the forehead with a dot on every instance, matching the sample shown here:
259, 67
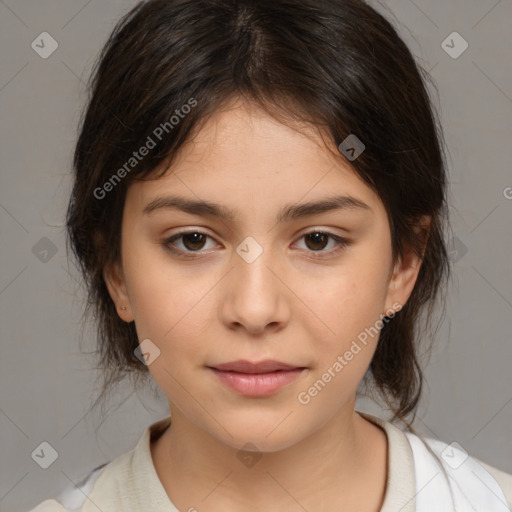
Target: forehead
242, 157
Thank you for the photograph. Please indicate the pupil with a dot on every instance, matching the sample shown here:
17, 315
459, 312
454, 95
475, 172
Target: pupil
317, 238
195, 237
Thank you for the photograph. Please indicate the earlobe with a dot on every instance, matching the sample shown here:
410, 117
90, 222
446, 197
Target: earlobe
116, 285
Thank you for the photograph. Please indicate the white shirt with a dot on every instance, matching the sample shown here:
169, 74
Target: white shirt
415, 480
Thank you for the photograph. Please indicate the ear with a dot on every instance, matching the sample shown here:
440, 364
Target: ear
116, 284
406, 270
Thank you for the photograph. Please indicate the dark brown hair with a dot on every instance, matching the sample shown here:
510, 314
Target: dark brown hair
337, 65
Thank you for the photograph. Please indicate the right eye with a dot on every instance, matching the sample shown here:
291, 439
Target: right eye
191, 241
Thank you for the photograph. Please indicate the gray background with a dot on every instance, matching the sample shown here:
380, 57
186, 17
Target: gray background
47, 385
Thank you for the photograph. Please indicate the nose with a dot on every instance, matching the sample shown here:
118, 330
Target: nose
255, 296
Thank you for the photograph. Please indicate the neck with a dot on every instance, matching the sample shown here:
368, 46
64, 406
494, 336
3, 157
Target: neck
340, 459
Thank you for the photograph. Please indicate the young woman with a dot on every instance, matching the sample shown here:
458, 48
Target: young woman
259, 211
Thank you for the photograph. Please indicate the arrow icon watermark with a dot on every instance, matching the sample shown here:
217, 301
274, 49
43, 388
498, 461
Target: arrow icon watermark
352, 147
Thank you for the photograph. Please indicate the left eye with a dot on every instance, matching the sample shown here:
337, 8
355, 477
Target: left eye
314, 239
194, 241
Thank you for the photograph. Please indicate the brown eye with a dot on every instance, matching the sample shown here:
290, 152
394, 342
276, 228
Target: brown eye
194, 241
191, 242
318, 241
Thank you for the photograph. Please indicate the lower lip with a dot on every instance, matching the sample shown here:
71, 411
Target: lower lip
257, 384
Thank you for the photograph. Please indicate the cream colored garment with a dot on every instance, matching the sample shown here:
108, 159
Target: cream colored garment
130, 483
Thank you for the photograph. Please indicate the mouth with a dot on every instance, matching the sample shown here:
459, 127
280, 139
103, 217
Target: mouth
256, 379
248, 367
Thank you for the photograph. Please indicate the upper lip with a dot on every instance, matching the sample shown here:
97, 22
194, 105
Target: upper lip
244, 366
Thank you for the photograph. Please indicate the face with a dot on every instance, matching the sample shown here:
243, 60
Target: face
269, 281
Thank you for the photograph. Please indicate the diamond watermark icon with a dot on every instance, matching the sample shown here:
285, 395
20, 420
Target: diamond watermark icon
454, 45
45, 455
454, 455
249, 455
249, 250
352, 147
147, 352
44, 45
44, 250
456, 249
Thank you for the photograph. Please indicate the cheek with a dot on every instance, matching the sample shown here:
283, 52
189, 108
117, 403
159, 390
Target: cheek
171, 306
348, 300
343, 336
347, 306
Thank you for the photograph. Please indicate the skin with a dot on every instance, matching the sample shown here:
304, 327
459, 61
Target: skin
286, 305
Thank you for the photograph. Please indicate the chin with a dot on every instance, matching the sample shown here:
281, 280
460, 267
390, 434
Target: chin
249, 437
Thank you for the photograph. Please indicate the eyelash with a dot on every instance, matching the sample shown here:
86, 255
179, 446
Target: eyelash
167, 243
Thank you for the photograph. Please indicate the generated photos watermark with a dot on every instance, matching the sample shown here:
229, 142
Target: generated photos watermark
144, 150
304, 397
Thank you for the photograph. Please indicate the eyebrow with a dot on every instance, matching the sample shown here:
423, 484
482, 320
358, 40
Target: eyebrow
288, 212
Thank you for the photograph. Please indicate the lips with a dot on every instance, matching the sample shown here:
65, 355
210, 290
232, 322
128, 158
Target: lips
261, 379
244, 366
